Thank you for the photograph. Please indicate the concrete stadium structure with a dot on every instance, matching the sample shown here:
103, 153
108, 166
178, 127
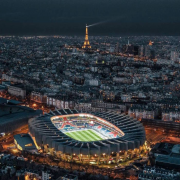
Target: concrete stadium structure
51, 139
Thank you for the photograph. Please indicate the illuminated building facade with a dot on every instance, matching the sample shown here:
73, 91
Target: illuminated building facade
38, 97
86, 42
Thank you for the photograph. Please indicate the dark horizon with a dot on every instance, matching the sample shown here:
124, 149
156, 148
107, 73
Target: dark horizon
59, 17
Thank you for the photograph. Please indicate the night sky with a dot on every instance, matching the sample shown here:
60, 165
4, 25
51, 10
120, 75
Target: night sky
68, 17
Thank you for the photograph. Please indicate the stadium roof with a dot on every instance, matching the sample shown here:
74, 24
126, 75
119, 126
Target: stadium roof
7, 101
25, 141
45, 132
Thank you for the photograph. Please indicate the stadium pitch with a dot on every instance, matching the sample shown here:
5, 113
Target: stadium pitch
84, 135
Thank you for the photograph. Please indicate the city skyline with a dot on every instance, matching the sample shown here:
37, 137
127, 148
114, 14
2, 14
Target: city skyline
68, 107
89, 90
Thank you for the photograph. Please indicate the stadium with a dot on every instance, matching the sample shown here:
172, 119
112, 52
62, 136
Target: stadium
93, 137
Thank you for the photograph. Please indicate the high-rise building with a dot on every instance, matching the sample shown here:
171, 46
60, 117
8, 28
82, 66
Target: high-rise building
141, 51
175, 56
152, 54
149, 51
136, 50
86, 42
128, 49
117, 48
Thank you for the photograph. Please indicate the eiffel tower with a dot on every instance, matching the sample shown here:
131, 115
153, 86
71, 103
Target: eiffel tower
86, 42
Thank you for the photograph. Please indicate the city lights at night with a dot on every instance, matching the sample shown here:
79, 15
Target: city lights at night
89, 90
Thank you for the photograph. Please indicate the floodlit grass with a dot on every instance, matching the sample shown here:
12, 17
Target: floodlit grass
84, 135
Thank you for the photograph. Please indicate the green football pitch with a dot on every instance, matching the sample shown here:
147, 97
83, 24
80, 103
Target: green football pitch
84, 135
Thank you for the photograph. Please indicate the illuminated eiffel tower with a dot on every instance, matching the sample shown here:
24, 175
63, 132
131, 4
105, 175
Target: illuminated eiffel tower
86, 42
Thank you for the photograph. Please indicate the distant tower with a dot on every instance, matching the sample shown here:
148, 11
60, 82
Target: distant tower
150, 43
86, 42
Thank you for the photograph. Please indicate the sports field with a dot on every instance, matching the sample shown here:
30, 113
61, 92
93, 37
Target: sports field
84, 135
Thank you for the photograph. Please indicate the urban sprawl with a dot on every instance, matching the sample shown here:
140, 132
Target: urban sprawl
135, 77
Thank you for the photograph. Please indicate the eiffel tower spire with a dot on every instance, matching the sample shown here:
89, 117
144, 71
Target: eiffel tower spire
86, 42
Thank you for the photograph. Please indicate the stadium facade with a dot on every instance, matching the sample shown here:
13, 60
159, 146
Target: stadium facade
92, 136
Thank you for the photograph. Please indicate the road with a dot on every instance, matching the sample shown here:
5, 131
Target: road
6, 140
